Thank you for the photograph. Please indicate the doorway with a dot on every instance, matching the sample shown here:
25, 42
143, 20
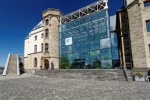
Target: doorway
46, 64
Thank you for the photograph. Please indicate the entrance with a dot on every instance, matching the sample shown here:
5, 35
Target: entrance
46, 64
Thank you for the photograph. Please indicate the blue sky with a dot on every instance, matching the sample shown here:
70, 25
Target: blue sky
18, 17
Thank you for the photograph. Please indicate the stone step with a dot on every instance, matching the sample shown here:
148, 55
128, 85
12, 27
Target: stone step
12, 65
102, 75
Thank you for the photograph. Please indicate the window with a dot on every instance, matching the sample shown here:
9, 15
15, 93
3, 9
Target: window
35, 38
42, 35
46, 22
35, 62
41, 47
46, 47
148, 25
146, 3
35, 48
46, 32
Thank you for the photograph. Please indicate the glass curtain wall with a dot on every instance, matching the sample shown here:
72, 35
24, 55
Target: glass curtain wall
86, 42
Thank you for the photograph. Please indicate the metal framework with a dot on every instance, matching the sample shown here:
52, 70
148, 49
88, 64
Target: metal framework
97, 6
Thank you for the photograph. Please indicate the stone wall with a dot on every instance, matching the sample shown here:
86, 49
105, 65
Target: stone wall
137, 36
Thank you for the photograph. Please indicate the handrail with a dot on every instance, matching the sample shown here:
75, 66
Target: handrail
18, 69
6, 65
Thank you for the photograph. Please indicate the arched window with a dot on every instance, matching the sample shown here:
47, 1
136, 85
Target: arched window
46, 32
46, 47
46, 22
35, 62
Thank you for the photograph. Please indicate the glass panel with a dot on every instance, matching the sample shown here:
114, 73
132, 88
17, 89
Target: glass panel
146, 3
114, 42
94, 45
71, 57
95, 54
105, 43
148, 25
105, 54
76, 48
69, 49
85, 47
113, 35
115, 54
76, 55
84, 55
106, 64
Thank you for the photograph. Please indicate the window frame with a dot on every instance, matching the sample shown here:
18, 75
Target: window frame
46, 33
35, 38
47, 22
46, 47
148, 28
35, 48
146, 3
42, 35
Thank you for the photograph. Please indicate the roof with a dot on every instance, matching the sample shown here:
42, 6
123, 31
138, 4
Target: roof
40, 24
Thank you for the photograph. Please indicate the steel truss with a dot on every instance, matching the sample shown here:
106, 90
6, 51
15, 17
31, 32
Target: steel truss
95, 7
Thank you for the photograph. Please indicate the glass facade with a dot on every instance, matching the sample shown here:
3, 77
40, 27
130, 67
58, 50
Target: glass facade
88, 41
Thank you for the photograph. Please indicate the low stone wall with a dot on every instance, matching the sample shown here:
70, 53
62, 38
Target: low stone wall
102, 75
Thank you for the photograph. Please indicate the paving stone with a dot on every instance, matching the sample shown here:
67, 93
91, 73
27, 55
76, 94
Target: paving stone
39, 88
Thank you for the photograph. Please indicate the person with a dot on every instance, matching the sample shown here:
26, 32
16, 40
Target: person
52, 65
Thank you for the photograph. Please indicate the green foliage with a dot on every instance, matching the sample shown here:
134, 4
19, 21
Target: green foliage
64, 62
138, 74
97, 64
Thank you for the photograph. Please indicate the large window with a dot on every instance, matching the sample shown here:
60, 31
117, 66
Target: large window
47, 33
92, 46
148, 25
35, 48
46, 47
146, 3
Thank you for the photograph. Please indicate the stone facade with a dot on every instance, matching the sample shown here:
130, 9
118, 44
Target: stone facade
47, 50
137, 15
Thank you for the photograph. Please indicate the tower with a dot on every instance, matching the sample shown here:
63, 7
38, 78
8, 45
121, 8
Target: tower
51, 19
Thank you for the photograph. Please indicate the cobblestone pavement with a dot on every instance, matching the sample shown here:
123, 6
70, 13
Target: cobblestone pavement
43, 88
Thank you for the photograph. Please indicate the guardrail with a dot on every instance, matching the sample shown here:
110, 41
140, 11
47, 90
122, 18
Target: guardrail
18, 68
6, 65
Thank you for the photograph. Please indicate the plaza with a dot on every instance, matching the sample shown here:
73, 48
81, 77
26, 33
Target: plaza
31, 87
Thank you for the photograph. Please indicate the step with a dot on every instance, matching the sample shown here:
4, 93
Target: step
102, 75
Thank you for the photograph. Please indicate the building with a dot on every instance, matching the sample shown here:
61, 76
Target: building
85, 38
133, 26
41, 45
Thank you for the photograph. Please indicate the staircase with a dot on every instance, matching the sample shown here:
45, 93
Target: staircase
12, 65
101, 75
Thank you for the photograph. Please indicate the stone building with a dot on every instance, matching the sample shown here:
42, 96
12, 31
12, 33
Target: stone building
87, 35
41, 45
133, 25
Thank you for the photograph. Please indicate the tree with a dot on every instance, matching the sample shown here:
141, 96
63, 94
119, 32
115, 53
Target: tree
97, 64
64, 62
